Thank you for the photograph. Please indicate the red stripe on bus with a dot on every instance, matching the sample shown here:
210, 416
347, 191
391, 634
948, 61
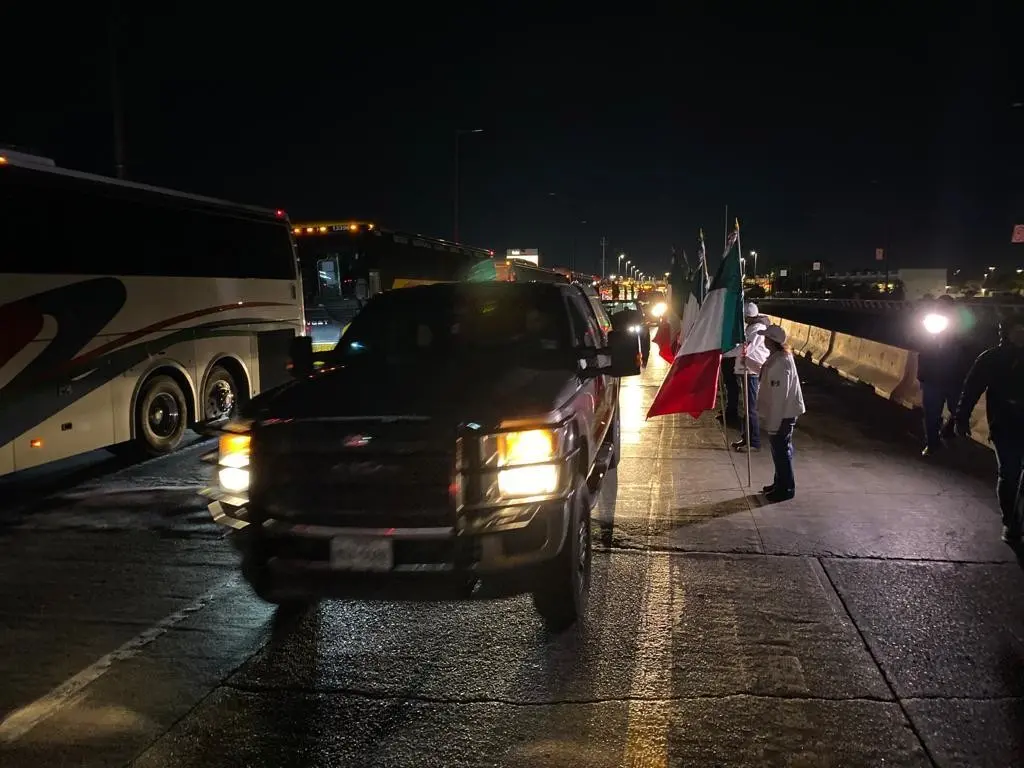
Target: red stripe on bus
21, 323
138, 334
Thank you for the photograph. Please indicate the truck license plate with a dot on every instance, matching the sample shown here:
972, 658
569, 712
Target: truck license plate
362, 553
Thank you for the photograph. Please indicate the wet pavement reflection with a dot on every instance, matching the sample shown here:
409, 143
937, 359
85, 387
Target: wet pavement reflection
875, 619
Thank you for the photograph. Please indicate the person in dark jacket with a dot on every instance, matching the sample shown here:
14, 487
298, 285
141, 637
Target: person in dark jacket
942, 365
998, 373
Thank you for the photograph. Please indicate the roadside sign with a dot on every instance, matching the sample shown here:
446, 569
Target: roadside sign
783, 273
816, 266
879, 254
1018, 234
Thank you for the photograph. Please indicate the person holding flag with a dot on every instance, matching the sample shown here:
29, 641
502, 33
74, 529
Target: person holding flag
750, 356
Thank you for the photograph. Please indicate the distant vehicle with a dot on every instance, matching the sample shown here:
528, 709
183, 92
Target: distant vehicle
478, 423
521, 271
632, 318
129, 313
346, 263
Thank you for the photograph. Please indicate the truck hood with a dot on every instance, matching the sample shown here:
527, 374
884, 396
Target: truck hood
455, 393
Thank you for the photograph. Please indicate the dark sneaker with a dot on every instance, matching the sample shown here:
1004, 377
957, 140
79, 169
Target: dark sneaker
776, 496
768, 489
930, 450
739, 445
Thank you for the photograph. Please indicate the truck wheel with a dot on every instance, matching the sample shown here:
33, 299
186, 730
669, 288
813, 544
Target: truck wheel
563, 588
260, 579
161, 416
615, 438
220, 395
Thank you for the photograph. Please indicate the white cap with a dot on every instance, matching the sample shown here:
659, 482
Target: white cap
751, 310
775, 332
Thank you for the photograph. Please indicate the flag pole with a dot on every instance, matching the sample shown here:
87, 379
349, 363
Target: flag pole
743, 356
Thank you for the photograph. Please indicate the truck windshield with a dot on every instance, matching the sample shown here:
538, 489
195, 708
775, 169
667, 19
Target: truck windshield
512, 323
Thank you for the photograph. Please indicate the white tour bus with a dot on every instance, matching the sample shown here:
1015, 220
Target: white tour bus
128, 312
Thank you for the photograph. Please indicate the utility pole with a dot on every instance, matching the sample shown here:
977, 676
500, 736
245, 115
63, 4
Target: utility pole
115, 95
604, 244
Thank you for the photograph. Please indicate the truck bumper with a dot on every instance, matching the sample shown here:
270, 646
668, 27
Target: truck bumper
296, 561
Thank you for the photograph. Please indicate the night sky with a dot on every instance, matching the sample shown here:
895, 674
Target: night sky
827, 136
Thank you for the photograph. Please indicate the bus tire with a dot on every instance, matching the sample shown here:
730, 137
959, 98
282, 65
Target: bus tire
161, 416
220, 395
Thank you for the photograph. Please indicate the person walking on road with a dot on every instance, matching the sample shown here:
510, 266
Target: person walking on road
998, 373
749, 363
780, 402
942, 364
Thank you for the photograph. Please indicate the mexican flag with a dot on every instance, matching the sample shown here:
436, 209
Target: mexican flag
691, 385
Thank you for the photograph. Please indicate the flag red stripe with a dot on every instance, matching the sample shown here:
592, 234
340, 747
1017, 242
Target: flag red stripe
691, 385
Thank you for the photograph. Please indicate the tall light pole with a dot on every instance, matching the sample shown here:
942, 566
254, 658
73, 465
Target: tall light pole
459, 133
754, 254
604, 242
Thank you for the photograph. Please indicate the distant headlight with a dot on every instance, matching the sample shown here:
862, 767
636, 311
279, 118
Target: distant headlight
935, 324
233, 463
659, 309
634, 329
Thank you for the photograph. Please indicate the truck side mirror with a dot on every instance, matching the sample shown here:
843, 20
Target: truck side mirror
624, 349
300, 356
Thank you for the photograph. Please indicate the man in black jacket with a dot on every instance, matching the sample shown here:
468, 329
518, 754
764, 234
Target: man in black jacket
999, 374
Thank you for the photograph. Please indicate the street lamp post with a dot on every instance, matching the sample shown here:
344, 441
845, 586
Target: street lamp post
459, 133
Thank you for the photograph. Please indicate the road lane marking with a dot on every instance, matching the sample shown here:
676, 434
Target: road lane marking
23, 720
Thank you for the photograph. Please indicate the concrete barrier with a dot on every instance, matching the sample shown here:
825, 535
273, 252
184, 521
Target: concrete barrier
819, 344
890, 371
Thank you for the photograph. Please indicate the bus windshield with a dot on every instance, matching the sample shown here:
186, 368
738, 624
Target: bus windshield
332, 267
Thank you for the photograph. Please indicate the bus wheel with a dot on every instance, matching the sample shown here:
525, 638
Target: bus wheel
161, 415
219, 395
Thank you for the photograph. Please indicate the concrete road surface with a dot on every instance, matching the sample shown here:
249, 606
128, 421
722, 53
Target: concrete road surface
874, 620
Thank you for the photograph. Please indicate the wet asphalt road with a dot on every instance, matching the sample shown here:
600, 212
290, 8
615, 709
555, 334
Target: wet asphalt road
874, 620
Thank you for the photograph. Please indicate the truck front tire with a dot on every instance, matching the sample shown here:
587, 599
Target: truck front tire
562, 590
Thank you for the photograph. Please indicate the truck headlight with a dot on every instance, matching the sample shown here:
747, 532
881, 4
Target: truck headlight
659, 309
935, 323
233, 463
527, 463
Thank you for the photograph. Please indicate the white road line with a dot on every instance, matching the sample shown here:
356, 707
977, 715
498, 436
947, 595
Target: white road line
21, 721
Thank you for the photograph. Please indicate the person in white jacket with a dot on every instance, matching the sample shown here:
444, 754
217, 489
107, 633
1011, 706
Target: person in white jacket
750, 363
780, 403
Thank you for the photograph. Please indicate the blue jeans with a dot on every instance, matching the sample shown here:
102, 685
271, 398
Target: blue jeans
781, 444
755, 429
935, 395
1010, 458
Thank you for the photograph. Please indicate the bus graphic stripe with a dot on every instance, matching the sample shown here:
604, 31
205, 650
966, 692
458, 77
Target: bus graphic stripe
135, 335
32, 403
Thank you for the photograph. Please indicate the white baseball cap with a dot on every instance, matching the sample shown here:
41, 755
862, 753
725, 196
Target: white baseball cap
751, 310
774, 332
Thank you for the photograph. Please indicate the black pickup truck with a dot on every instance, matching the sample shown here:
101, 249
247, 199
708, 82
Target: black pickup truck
451, 446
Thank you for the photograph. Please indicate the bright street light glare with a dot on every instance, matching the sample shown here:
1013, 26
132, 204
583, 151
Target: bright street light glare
934, 323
